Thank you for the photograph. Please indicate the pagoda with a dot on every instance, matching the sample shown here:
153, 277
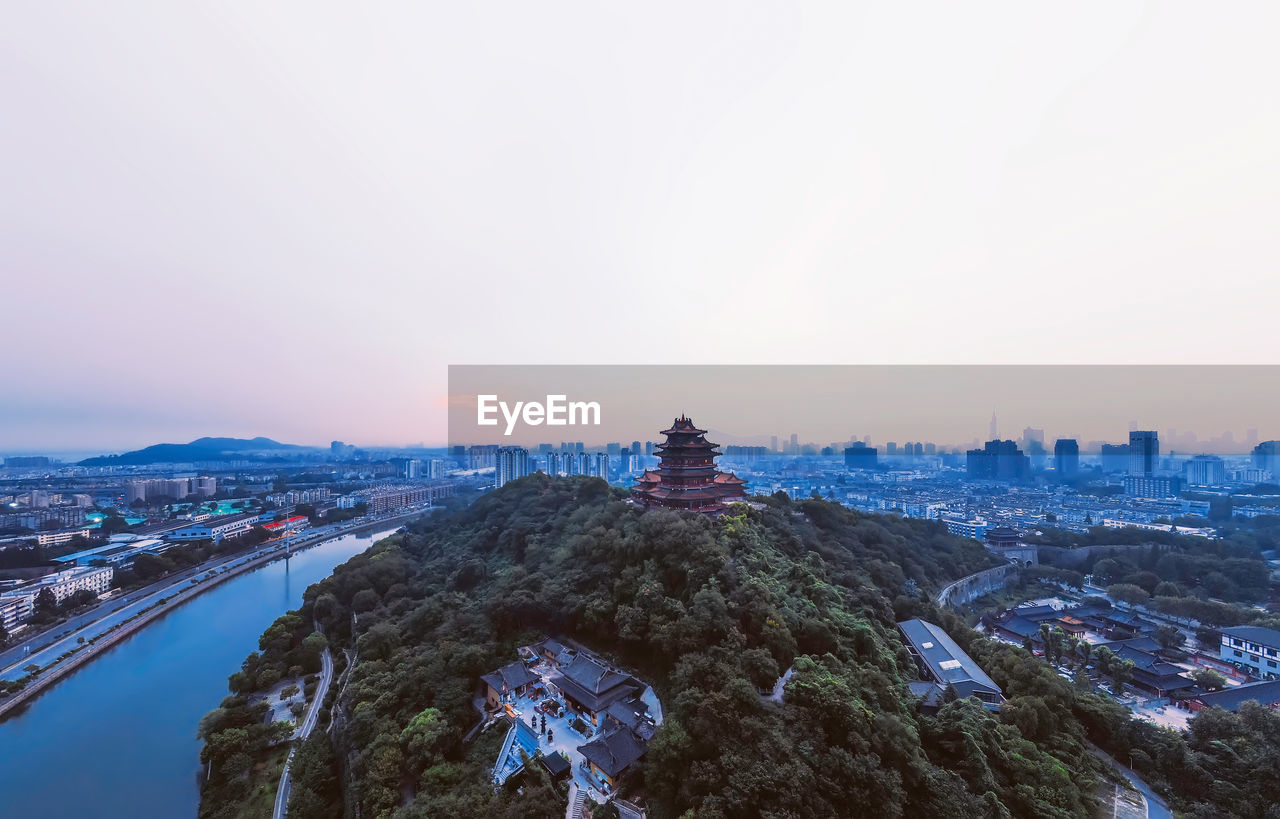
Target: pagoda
686, 477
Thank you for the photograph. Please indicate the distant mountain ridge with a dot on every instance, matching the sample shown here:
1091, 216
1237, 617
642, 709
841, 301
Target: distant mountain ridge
201, 449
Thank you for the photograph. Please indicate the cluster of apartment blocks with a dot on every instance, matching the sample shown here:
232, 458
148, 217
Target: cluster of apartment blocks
17, 605
43, 499
149, 489
296, 496
512, 462
36, 519
392, 498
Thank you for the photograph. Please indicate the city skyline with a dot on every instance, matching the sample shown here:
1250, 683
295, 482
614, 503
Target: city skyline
947, 405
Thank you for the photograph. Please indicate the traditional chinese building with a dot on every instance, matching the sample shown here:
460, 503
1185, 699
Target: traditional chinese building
686, 477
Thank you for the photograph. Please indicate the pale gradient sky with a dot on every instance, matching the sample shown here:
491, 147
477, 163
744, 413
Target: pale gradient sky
288, 218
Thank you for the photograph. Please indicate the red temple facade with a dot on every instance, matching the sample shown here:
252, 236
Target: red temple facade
686, 477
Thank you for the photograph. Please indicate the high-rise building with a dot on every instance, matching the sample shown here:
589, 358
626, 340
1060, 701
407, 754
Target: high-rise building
1266, 455
1144, 452
553, 463
1066, 457
1150, 486
773, 444
481, 456
998, 461
600, 465
859, 456
1206, 470
1115, 457
993, 432
510, 463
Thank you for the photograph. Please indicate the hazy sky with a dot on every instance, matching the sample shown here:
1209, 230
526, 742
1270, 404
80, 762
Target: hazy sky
944, 404
288, 218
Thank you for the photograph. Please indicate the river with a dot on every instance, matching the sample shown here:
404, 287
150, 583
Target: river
117, 738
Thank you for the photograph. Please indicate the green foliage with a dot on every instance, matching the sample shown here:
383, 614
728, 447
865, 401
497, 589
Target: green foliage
314, 776
1208, 679
710, 612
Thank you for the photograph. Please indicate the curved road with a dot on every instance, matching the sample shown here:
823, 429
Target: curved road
308, 723
1157, 808
43, 649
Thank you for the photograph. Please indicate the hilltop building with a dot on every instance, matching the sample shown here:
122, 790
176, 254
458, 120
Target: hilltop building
686, 477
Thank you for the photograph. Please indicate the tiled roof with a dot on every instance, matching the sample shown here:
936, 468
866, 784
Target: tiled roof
614, 751
511, 676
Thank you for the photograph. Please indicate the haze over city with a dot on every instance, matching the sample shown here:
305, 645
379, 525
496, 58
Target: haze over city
321, 202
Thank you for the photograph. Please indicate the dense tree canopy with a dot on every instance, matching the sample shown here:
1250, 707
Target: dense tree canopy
709, 611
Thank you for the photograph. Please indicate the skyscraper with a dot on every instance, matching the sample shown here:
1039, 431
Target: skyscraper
510, 462
994, 430
998, 461
1144, 452
1066, 457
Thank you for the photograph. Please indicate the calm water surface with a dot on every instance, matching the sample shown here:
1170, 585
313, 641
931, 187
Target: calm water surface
117, 738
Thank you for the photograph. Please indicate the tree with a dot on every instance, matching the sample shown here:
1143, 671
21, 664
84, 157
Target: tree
1121, 673
1220, 509
113, 524
1168, 636
79, 599
1128, 593
424, 738
1103, 658
1208, 679
46, 606
1084, 648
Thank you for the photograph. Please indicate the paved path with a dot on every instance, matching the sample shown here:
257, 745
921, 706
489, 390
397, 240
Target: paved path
1156, 807
779, 688
308, 723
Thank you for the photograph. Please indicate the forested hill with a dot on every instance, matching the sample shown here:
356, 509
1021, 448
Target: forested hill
708, 610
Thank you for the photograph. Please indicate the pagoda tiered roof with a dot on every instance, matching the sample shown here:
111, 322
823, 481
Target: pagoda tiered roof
683, 426
686, 477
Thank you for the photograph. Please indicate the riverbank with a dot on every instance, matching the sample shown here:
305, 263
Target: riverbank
95, 646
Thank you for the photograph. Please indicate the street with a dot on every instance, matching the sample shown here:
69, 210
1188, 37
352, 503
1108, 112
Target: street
308, 723
46, 648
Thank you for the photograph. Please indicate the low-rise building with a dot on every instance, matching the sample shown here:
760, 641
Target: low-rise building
16, 607
609, 754
291, 524
510, 680
1231, 698
63, 584
966, 528
944, 663
590, 686
1253, 647
217, 528
59, 538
